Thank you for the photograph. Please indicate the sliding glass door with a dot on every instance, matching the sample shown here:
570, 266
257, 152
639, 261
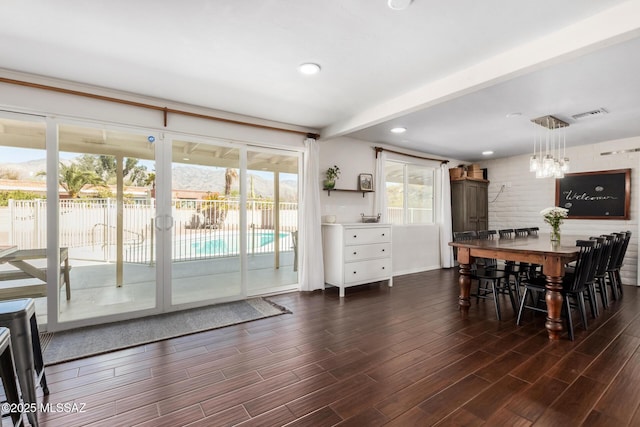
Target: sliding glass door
23, 205
143, 222
106, 221
204, 237
272, 221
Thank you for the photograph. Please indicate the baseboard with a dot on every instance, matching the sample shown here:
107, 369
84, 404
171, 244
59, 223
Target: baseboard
416, 270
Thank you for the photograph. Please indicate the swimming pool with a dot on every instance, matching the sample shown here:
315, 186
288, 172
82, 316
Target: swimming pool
230, 244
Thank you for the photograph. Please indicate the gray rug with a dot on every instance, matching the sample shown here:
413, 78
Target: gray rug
78, 343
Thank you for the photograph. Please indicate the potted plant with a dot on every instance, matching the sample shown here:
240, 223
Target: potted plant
331, 175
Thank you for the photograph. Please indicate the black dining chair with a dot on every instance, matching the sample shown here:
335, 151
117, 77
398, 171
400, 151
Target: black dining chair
460, 236
614, 263
519, 270
573, 288
590, 285
616, 279
521, 232
506, 233
485, 271
599, 280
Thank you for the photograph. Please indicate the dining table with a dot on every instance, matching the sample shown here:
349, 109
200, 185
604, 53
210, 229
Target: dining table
533, 249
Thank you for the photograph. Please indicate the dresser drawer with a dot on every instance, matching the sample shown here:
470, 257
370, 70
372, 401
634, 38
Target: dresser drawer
364, 236
363, 271
362, 252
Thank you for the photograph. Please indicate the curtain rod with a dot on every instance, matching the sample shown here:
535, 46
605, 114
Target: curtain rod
165, 110
379, 149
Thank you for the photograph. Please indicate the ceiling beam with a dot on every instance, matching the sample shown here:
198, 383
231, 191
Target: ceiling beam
612, 26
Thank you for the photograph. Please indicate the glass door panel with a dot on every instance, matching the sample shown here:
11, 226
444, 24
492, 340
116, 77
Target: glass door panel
205, 237
272, 221
23, 204
106, 221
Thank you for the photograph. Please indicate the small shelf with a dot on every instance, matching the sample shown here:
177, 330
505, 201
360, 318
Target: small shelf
329, 190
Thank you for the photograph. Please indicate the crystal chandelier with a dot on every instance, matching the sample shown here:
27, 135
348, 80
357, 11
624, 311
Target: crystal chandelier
549, 158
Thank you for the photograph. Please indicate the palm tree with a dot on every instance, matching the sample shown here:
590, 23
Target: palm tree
73, 179
230, 175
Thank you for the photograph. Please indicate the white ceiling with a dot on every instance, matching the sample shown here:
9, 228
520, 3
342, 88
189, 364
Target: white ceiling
449, 71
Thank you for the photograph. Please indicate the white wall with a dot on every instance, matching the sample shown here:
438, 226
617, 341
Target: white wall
38, 101
415, 247
523, 196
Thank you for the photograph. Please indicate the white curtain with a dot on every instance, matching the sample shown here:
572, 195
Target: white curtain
380, 195
444, 220
310, 238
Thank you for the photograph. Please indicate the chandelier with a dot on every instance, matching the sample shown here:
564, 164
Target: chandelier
549, 158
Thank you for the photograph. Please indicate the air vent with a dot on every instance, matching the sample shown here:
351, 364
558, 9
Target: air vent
592, 113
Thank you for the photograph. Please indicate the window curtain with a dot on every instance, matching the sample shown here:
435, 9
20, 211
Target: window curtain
444, 218
380, 195
310, 239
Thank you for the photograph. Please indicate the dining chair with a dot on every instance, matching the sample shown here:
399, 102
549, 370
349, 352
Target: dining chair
573, 286
590, 285
599, 280
521, 232
620, 261
616, 254
485, 272
506, 233
519, 270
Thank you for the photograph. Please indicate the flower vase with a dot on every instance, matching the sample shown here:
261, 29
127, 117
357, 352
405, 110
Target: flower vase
329, 184
555, 234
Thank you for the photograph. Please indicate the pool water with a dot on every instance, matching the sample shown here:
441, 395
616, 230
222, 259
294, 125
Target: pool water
230, 244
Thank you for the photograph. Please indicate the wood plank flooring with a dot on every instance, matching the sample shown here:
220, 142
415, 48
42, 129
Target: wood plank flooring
398, 356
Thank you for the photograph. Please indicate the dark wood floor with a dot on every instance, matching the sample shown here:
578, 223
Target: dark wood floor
380, 356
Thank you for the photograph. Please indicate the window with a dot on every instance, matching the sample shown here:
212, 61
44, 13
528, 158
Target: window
409, 193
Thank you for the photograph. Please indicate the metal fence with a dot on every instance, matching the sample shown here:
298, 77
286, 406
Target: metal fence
200, 228
414, 215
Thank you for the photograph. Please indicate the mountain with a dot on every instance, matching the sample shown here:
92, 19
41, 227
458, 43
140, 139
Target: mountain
184, 177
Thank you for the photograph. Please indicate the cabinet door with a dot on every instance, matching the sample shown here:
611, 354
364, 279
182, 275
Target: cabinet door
458, 206
472, 205
482, 206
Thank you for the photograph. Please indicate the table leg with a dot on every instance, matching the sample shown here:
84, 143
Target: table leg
465, 289
553, 298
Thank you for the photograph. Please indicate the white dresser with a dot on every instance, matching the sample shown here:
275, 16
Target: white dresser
356, 253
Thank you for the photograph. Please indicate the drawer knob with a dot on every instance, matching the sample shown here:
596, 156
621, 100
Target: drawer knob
382, 234
355, 235
355, 253
383, 268
354, 272
383, 250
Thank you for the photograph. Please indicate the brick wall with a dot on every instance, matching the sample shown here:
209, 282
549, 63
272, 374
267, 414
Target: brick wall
516, 197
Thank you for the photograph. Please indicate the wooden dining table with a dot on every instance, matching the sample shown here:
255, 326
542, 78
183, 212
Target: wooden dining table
552, 256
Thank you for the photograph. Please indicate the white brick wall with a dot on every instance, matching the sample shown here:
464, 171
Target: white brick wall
523, 196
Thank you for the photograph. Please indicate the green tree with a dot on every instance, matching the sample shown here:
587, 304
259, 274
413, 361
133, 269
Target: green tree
73, 179
106, 168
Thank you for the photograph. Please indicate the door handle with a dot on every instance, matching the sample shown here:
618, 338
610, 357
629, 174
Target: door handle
170, 222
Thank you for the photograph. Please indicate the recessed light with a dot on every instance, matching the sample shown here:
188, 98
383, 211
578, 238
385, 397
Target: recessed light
398, 130
398, 4
514, 114
309, 68
487, 153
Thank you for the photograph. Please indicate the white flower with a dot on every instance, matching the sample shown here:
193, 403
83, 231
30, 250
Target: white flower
554, 215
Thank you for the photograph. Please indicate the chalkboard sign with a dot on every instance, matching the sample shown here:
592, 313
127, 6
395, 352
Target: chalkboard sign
595, 195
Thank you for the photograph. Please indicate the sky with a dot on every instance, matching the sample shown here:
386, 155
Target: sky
21, 155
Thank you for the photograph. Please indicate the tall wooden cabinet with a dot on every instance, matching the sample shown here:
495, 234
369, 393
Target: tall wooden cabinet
469, 204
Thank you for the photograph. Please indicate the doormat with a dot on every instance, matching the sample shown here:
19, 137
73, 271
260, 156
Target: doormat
75, 344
